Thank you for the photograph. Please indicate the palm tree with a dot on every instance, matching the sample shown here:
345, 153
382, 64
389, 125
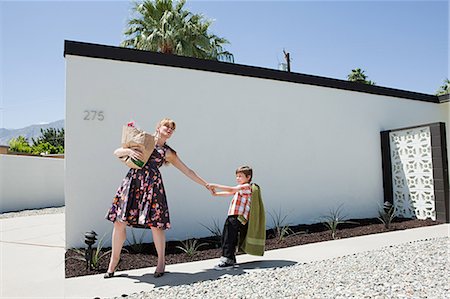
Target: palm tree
444, 89
164, 26
357, 75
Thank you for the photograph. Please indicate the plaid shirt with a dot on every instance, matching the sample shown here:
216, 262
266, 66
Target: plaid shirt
240, 204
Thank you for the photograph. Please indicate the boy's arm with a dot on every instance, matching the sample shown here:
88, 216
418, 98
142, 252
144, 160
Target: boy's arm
223, 193
230, 188
223, 187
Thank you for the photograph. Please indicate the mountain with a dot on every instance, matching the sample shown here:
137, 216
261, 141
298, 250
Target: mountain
33, 131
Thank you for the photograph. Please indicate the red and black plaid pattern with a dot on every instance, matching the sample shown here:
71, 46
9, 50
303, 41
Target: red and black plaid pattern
240, 204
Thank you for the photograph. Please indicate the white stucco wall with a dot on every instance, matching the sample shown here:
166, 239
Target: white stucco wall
312, 148
30, 183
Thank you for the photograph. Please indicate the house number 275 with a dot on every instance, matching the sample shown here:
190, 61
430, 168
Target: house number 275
93, 115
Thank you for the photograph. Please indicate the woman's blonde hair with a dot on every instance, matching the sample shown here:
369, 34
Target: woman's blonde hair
167, 122
171, 124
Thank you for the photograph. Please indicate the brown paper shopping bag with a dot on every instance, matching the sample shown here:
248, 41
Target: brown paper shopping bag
138, 140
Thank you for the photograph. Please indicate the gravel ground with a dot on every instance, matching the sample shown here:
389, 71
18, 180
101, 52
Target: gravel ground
45, 211
418, 269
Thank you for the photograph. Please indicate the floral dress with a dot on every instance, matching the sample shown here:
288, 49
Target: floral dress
140, 200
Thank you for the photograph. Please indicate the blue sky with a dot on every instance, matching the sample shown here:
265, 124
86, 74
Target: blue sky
400, 44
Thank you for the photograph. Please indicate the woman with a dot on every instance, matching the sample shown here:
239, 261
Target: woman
141, 199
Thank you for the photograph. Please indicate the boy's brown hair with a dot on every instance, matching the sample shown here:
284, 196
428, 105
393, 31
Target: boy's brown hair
246, 170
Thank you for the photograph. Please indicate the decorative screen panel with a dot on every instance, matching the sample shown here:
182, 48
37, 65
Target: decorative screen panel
412, 173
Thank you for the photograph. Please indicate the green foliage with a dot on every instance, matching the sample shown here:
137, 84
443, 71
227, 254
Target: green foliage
46, 148
20, 145
334, 219
50, 142
190, 247
386, 214
280, 228
164, 26
358, 75
215, 230
97, 254
444, 88
137, 245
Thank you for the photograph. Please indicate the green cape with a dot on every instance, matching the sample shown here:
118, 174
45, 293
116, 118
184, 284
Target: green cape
255, 239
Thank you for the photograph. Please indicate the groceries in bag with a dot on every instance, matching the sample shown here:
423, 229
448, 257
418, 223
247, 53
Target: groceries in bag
138, 140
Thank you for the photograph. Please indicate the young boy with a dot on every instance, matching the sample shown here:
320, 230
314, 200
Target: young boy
237, 221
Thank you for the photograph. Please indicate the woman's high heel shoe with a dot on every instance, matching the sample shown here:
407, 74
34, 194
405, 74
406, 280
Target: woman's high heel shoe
111, 274
158, 273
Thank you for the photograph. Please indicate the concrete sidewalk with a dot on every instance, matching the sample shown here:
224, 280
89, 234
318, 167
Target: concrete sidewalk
32, 261
32, 257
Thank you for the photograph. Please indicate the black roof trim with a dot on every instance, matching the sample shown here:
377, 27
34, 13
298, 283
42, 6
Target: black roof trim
444, 98
413, 127
139, 56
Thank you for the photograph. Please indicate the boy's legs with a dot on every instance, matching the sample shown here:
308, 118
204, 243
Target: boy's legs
229, 242
230, 237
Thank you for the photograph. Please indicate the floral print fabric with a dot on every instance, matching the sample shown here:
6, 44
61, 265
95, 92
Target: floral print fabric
140, 200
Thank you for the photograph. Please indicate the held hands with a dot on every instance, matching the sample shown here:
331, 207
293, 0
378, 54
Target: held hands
211, 188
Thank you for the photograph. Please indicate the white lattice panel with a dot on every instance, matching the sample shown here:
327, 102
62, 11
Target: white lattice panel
412, 173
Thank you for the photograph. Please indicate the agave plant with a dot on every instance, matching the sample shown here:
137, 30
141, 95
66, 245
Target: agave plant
386, 214
280, 228
333, 219
190, 246
96, 257
137, 245
215, 230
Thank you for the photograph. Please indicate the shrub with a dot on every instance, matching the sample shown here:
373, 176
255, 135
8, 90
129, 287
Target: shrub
20, 145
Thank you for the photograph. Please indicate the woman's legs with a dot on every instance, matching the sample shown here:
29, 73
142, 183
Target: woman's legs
159, 238
118, 238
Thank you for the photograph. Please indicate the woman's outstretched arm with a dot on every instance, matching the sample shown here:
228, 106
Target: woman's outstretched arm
176, 161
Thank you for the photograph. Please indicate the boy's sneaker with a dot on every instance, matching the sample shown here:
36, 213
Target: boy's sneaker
224, 264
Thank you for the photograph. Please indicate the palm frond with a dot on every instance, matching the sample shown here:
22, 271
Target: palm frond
165, 26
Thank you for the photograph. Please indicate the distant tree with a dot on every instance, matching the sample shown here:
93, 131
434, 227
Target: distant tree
45, 148
20, 145
53, 136
444, 89
164, 26
358, 75
51, 141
